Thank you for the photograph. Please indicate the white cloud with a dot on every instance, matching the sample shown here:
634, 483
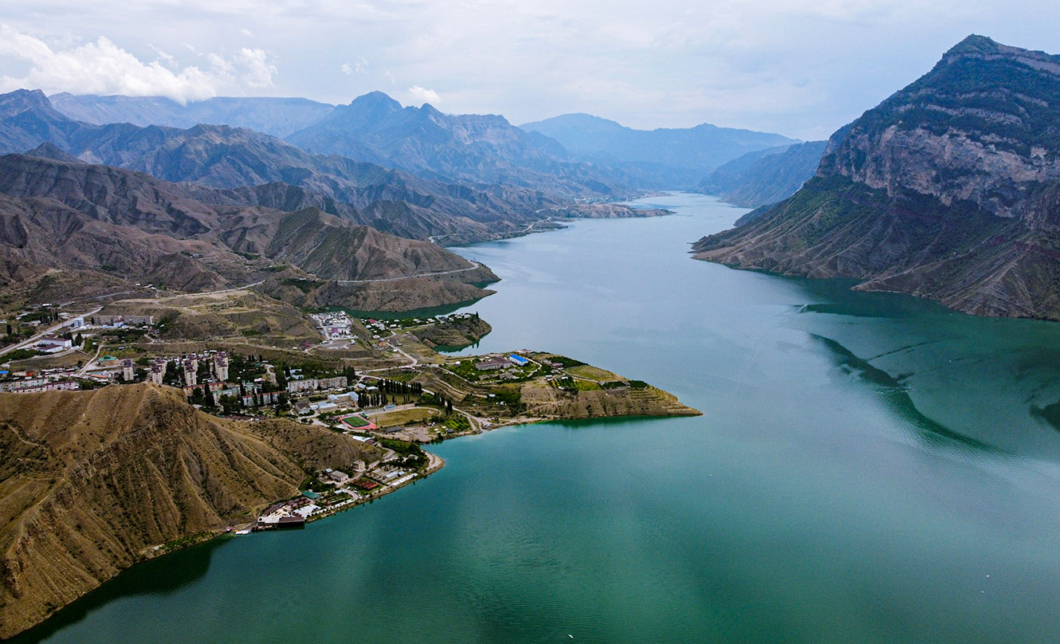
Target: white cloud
420, 95
257, 72
102, 67
246, 32
358, 67
800, 67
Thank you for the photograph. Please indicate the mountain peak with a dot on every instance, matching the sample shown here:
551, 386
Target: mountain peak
48, 150
430, 110
22, 100
376, 101
970, 146
981, 47
973, 44
574, 120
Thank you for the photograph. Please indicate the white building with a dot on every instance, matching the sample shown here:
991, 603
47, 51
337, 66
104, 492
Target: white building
191, 372
306, 384
220, 366
53, 344
348, 398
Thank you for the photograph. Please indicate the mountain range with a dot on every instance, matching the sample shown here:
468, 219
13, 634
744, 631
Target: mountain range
474, 148
574, 154
949, 189
275, 116
71, 227
662, 158
282, 176
376, 129
766, 176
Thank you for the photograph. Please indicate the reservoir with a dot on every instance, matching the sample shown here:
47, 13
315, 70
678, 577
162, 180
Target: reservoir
869, 468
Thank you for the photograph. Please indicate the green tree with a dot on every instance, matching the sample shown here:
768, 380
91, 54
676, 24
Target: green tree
283, 402
229, 404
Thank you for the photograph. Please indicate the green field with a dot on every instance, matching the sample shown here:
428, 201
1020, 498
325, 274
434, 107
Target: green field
355, 421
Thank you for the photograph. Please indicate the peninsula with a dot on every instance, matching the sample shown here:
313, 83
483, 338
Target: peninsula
145, 430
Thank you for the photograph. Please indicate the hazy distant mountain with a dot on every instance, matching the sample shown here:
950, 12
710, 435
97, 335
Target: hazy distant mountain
765, 177
678, 157
279, 175
275, 174
949, 189
275, 116
487, 149
476, 148
28, 119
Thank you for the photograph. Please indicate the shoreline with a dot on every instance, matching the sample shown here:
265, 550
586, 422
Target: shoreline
435, 464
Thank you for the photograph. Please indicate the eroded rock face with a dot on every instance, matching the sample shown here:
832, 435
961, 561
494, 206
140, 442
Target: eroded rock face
953, 167
948, 189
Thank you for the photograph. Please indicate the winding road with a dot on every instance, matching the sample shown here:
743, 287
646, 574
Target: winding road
475, 265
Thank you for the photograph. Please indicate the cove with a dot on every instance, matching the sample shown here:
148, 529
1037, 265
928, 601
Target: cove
869, 468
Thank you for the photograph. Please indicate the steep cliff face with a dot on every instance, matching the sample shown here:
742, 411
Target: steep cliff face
91, 481
983, 127
947, 190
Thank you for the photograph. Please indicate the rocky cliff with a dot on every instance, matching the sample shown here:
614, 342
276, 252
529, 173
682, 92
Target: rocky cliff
949, 189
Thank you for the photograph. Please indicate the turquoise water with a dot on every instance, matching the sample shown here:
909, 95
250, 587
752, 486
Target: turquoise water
869, 468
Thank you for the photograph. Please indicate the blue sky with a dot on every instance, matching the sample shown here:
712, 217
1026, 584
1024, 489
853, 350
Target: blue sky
798, 67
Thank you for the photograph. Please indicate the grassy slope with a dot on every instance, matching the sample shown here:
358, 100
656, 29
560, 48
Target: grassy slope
90, 481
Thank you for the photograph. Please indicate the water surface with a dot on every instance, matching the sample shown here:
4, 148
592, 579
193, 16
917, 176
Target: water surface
869, 468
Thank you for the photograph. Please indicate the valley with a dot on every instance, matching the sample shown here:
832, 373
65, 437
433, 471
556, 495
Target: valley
865, 423
483, 353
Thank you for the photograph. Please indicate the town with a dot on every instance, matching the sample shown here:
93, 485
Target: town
383, 383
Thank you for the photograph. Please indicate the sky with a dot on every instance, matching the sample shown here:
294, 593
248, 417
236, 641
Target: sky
802, 68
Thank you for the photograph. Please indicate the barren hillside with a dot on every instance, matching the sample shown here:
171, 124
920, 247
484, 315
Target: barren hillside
91, 482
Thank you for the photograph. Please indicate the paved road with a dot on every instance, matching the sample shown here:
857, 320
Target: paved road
90, 362
50, 330
415, 361
474, 266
